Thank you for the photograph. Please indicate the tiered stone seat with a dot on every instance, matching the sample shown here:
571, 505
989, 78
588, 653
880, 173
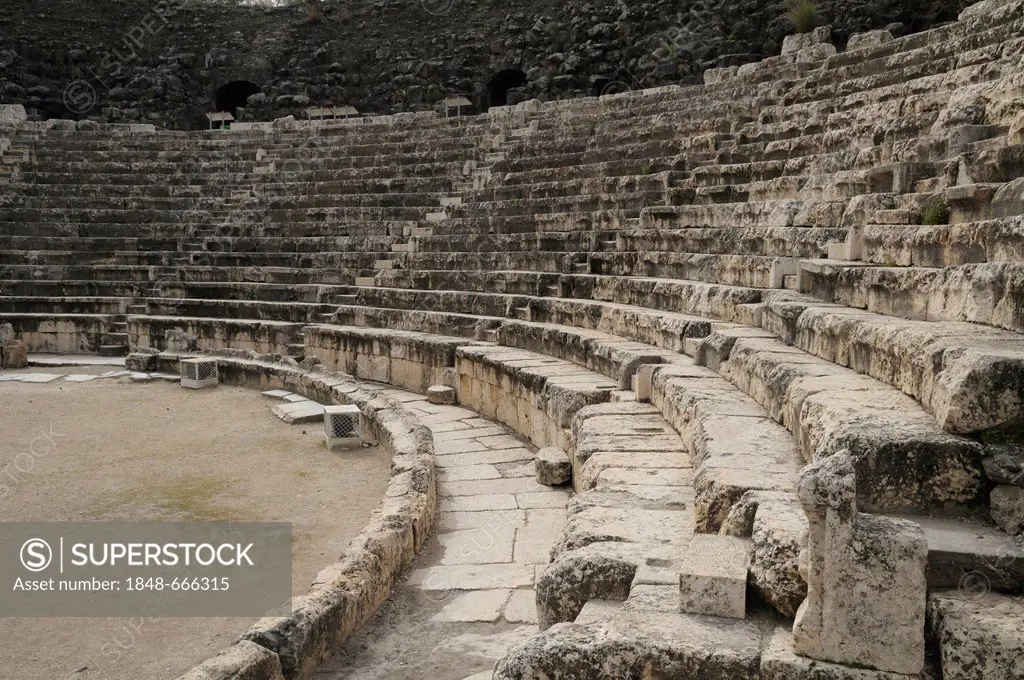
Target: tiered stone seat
747, 256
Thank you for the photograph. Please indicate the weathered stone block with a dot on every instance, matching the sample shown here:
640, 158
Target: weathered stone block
778, 529
860, 41
12, 113
142, 361
1008, 508
179, 341
866, 584
15, 354
553, 466
243, 660
815, 53
978, 638
440, 394
1005, 465
713, 576
1016, 134
799, 41
780, 662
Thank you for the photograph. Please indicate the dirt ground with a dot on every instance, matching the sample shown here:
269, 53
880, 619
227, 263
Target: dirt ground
155, 451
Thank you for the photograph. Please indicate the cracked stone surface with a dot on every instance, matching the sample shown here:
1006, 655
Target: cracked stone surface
470, 593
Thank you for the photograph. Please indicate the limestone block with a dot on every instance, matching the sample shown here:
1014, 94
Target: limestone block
1016, 134
780, 662
1008, 508
713, 576
602, 570
778, 531
627, 642
141, 361
799, 41
243, 660
978, 638
553, 466
178, 341
866, 585
7, 333
1005, 465
15, 355
815, 53
861, 41
440, 394
714, 76
12, 113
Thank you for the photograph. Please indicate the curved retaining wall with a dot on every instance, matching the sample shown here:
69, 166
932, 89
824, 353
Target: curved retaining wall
345, 594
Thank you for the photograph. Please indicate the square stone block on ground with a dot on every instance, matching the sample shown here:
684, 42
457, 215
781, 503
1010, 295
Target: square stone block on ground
713, 576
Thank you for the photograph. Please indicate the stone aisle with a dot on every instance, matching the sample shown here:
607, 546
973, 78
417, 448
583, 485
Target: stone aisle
469, 595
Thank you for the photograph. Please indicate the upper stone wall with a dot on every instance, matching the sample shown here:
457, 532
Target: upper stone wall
164, 60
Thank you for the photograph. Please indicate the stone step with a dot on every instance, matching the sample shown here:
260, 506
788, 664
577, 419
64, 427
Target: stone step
964, 374
978, 634
970, 556
904, 461
113, 350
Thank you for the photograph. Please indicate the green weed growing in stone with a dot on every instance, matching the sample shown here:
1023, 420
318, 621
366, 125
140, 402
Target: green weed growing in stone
803, 14
935, 211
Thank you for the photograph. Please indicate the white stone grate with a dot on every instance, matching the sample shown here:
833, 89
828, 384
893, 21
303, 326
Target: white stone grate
342, 426
199, 373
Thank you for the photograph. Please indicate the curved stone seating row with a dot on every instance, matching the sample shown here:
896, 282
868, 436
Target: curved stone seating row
347, 593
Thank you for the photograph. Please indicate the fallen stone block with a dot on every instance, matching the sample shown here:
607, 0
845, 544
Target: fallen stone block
15, 355
142, 362
553, 466
776, 524
440, 394
713, 576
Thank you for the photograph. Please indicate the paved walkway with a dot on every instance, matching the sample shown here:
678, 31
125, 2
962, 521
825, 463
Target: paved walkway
469, 595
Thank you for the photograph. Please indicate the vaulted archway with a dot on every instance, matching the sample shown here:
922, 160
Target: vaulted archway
501, 83
231, 96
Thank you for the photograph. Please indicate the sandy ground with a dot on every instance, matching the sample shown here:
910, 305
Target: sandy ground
158, 452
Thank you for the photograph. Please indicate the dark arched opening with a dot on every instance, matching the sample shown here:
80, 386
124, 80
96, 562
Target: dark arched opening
233, 95
501, 83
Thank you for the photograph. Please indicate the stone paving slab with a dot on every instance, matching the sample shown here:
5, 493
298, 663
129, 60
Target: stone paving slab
480, 457
480, 545
468, 472
521, 607
73, 360
477, 605
472, 577
276, 394
299, 412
